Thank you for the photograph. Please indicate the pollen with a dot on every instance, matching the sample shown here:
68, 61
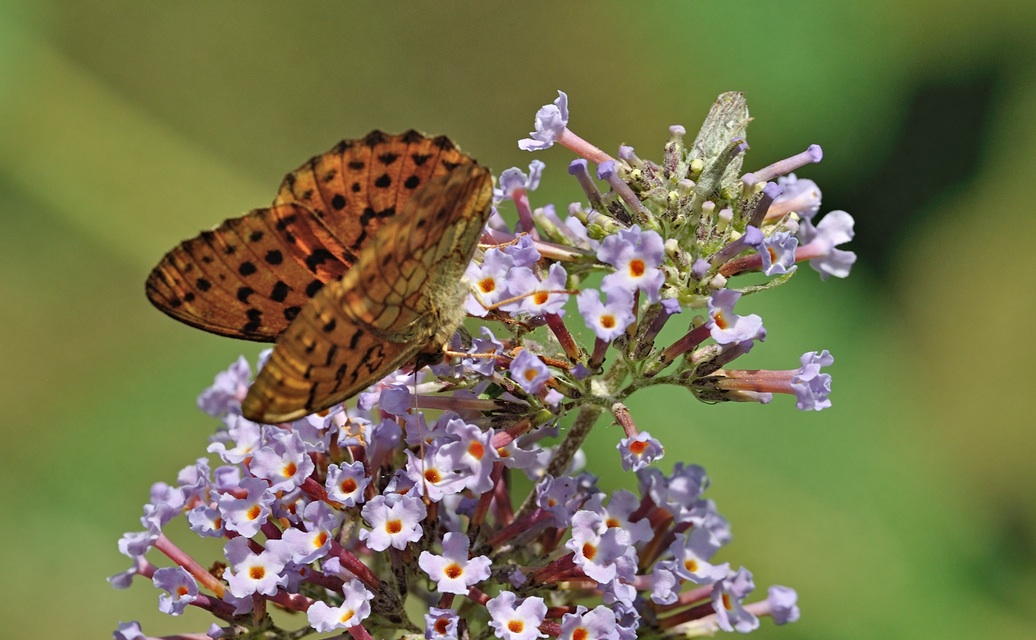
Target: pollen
608, 321
691, 565
580, 633
253, 513
589, 551
720, 321
638, 447
289, 469
394, 526
441, 625
476, 450
182, 591
515, 626
773, 254
347, 616
256, 573
726, 602
530, 374
432, 475
540, 297
319, 539
348, 485
454, 571
487, 285
637, 268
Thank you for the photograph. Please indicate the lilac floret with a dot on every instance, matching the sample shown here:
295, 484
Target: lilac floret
245, 515
353, 610
513, 181
346, 483
726, 601
520, 622
440, 624
129, 631
551, 120
284, 462
595, 624
636, 256
608, 320
529, 371
181, 589
227, 391
453, 572
639, 451
810, 386
819, 242
250, 572
778, 253
395, 521
783, 604
728, 327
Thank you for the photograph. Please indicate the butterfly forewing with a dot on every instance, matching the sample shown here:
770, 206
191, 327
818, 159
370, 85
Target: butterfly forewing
360, 184
252, 275
403, 294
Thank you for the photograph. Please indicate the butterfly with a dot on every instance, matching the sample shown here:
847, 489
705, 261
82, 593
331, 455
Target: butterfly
354, 271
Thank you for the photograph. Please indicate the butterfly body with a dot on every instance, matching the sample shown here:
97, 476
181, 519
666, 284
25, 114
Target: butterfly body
355, 269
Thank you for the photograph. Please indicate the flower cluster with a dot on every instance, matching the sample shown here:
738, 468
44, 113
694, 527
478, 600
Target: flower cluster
400, 516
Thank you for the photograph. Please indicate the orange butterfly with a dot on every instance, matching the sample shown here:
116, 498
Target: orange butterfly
354, 271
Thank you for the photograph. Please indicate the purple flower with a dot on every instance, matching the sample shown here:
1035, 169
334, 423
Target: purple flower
243, 434
440, 624
227, 390
284, 462
303, 546
488, 281
181, 589
810, 386
129, 631
529, 371
551, 120
800, 195
206, 521
778, 253
782, 601
609, 320
692, 552
596, 624
453, 571
665, 584
819, 242
516, 623
473, 452
250, 572
537, 298
727, 595
679, 493
514, 180
487, 345
636, 256
639, 451
353, 610
246, 515
728, 327
523, 252
346, 483
599, 550
395, 521
434, 474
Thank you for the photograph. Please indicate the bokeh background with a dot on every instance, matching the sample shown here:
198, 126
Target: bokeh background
907, 510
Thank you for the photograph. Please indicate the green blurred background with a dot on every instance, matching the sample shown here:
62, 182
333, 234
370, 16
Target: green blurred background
905, 511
